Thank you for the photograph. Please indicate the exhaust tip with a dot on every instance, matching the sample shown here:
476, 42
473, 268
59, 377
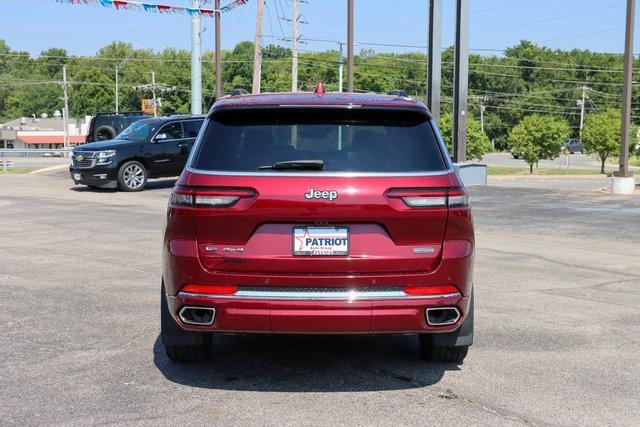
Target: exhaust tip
197, 315
442, 316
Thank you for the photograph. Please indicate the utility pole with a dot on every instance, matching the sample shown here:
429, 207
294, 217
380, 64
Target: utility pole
461, 82
434, 55
117, 101
218, 53
196, 64
482, 108
294, 48
340, 68
257, 49
153, 93
350, 45
581, 103
155, 88
623, 180
65, 114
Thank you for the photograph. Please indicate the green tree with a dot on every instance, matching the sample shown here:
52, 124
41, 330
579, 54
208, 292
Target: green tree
538, 137
601, 135
478, 143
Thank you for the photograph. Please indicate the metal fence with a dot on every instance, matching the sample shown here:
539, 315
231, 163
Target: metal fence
6, 164
40, 152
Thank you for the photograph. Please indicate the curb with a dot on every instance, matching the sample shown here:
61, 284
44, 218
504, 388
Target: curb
543, 177
50, 168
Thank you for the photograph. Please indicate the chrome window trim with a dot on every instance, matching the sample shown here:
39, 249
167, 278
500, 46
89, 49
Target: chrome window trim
352, 295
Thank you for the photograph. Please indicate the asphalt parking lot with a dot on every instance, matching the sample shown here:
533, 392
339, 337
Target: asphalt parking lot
557, 324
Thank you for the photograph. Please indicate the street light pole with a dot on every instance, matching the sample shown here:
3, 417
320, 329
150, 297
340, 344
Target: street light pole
153, 92
196, 64
340, 69
257, 49
218, 53
434, 55
623, 181
65, 116
350, 46
117, 100
461, 82
294, 49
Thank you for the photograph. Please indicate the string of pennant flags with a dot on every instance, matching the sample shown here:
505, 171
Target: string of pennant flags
155, 7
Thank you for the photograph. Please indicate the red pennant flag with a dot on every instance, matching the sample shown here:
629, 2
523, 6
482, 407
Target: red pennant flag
162, 8
120, 4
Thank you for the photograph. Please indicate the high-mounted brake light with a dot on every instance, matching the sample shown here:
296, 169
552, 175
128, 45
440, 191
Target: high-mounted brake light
219, 198
431, 197
430, 290
210, 289
319, 90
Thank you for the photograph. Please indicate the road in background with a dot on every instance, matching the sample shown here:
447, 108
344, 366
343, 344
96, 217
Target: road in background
36, 162
572, 183
557, 282
576, 161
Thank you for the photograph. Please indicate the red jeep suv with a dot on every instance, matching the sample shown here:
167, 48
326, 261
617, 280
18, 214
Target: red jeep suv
318, 213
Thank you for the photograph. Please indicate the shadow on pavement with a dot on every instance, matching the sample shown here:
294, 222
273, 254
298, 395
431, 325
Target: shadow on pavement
156, 184
306, 363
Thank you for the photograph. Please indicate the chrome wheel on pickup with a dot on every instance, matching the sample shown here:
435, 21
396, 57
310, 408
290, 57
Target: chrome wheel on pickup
132, 176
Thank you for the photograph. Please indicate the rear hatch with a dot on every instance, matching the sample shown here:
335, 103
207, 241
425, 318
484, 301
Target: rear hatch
329, 191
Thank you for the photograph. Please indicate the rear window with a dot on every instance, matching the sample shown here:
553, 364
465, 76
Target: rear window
347, 140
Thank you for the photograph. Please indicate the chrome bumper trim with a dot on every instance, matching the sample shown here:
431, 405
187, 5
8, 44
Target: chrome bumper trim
351, 295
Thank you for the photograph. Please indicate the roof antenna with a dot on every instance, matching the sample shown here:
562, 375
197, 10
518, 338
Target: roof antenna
319, 90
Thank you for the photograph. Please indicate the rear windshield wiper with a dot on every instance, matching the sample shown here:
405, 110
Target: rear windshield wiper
317, 165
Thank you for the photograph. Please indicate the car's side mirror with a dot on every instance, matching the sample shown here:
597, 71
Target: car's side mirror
160, 137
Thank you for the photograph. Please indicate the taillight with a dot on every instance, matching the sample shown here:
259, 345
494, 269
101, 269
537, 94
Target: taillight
431, 197
457, 197
218, 198
431, 290
210, 289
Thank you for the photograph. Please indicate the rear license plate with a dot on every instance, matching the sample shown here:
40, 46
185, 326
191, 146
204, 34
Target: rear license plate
77, 176
320, 241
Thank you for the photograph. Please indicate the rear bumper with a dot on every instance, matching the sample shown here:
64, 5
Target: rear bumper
402, 315
299, 315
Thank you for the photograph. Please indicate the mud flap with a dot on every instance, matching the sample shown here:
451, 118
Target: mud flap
171, 333
461, 337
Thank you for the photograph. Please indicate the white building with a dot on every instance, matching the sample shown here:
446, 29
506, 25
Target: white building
45, 133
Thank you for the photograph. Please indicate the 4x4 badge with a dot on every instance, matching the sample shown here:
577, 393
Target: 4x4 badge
321, 194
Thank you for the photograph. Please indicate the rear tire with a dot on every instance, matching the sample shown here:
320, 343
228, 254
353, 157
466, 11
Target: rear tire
180, 354
441, 354
450, 347
181, 345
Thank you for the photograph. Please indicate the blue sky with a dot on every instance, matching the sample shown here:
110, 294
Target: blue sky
34, 25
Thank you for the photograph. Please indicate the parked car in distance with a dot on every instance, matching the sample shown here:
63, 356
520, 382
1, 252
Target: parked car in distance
149, 148
574, 145
105, 126
318, 213
52, 154
399, 92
